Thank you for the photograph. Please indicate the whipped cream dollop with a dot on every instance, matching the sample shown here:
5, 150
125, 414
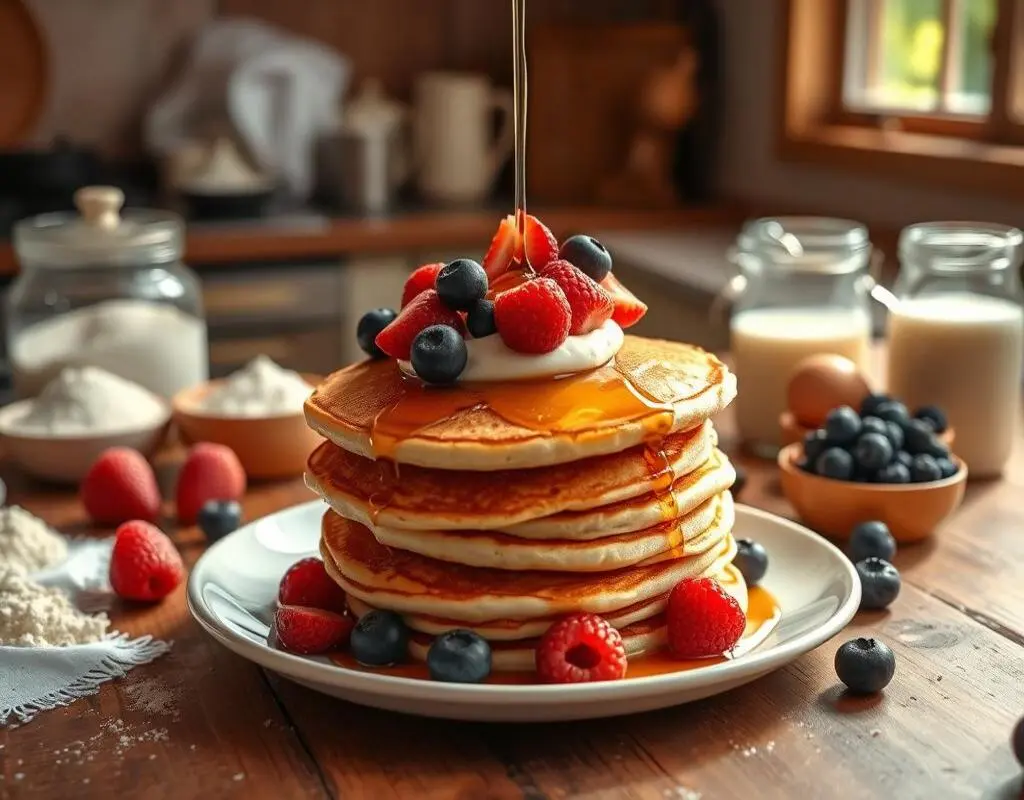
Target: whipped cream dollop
490, 359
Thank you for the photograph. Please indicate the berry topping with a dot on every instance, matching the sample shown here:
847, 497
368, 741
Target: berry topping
480, 319
211, 472
703, 620
871, 540
920, 439
438, 354
751, 560
540, 243
842, 425
835, 463
581, 648
925, 468
947, 467
461, 283
422, 278
896, 436
874, 425
872, 451
893, 411
629, 310
426, 310
534, 317
879, 583
380, 638
119, 486
306, 583
503, 250
896, 472
588, 255
934, 416
865, 665
815, 443
311, 630
459, 656
371, 324
590, 305
218, 518
144, 564
869, 405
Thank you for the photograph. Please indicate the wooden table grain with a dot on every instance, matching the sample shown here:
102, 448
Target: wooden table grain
202, 722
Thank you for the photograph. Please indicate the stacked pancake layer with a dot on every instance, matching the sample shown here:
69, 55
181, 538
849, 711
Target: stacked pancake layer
499, 508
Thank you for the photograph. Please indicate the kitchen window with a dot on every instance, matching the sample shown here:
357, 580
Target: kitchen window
927, 90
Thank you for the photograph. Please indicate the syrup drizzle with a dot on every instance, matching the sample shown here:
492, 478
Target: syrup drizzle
519, 89
659, 467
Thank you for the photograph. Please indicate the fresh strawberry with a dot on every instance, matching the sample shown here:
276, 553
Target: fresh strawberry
540, 243
503, 249
590, 304
306, 583
211, 472
534, 317
628, 309
703, 620
119, 486
425, 310
144, 564
311, 630
422, 278
579, 649
503, 283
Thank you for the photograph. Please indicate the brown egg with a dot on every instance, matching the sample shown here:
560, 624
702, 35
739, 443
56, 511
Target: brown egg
820, 383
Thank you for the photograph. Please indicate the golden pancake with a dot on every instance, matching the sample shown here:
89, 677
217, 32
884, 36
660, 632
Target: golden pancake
650, 389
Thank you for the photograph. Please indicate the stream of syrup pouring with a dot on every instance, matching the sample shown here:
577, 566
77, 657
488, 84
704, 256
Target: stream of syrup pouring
520, 97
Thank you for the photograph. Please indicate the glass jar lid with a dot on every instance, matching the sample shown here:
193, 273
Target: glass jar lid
807, 244
961, 246
99, 234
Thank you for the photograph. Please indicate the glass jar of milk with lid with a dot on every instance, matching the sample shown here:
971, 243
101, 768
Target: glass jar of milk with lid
105, 288
803, 289
956, 334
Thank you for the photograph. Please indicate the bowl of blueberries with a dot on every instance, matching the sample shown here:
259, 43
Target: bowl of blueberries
879, 462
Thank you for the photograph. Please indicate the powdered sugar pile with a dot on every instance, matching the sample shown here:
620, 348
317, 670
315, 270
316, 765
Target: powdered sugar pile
36, 616
261, 388
27, 544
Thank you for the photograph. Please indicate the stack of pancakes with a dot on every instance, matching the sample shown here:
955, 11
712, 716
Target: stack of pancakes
500, 507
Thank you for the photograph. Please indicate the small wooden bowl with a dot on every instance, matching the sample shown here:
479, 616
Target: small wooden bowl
793, 431
911, 510
268, 447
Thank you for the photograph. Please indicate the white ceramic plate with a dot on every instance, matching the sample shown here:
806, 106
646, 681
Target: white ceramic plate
233, 587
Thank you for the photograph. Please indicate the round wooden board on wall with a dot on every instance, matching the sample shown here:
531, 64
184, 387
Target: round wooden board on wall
23, 72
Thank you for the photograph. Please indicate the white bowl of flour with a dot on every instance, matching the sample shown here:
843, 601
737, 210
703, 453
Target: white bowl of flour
79, 414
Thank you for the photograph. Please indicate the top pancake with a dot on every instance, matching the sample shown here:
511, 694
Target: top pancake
650, 389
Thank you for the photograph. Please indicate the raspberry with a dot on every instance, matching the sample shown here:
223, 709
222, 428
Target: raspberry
533, 317
629, 310
703, 620
119, 486
421, 279
503, 250
579, 649
425, 310
144, 564
590, 304
311, 630
540, 243
211, 472
306, 583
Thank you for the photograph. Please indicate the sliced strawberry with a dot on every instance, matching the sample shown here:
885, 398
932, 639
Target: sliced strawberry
534, 317
422, 278
311, 630
425, 310
629, 310
591, 305
503, 249
541, 244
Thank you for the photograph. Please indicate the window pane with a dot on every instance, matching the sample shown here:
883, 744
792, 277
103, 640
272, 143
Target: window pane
908, 49
970, 78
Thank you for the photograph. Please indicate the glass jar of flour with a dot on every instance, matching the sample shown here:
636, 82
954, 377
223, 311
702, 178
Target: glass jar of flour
106, 289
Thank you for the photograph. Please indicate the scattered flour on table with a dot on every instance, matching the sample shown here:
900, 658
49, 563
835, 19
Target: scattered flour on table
37, 616
261, 388
27, 544
153, 696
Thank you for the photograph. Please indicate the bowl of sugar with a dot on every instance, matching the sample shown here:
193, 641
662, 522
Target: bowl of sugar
57, 435
257, 412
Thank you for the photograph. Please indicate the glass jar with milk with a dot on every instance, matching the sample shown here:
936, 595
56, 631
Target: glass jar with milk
804, 289
106, 289
956, 333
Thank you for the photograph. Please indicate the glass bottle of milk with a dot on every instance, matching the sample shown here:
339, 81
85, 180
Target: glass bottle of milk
804, 290
956, 334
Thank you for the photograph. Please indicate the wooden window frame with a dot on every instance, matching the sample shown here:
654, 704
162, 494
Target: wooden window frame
984, 155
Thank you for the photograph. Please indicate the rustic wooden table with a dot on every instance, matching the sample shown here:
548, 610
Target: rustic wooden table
203, 723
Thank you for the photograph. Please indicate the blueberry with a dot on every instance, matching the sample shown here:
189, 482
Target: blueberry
947, 467
372, 323
379, 638
879, 583
439, 354
865, 665
588, 256
924, 469
893, 411
835, 463
904, 458
896, 472
481, 319
740, 482
461, 283
459, 656
870, 404
874, 425
1018, 742
934, 416
815, 443
751, 560
218, 518
895, 433
873, 451
842, 425
921, 439
869, 539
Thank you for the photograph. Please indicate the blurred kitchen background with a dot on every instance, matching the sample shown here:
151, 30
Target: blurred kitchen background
321, 149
